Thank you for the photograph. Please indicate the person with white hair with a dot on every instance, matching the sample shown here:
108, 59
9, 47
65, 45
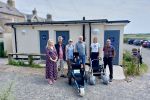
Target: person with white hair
60, 47
81, 48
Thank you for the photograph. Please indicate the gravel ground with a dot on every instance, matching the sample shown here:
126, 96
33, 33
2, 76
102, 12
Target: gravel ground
32, 85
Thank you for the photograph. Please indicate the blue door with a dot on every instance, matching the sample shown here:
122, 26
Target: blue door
114, 36
44, 36
65, 36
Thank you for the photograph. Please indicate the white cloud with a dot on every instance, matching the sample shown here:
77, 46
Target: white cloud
137, 11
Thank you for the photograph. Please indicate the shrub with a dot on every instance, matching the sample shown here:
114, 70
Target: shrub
143, 68
13, 62
124, 63
36, 66
21, 63
18, 63
132, 68
127, 56
4, 54
58, 68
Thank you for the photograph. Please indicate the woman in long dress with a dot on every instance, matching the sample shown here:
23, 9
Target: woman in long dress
51, 61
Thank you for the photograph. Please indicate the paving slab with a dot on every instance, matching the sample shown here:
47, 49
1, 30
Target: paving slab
118, 73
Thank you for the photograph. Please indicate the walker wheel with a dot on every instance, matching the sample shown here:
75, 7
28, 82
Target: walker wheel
106, 80
92, 80
104, 73
101, 76
82, 91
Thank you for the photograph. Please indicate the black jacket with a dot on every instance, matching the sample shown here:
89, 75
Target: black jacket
63, 47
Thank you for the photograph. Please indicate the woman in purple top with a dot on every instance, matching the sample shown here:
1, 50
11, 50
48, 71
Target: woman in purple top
51, 61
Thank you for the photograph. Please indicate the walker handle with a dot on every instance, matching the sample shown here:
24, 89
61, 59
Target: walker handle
97, 59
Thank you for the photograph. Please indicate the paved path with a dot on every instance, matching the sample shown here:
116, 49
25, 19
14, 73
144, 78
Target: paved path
32, 85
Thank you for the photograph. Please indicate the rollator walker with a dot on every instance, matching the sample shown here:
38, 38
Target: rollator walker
98, 70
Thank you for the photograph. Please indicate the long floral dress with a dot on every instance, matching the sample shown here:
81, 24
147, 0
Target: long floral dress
51, 67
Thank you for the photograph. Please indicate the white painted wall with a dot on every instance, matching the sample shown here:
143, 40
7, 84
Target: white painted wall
30, 42
8, 42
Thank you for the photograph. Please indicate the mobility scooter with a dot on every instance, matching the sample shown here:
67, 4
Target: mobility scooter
78, 74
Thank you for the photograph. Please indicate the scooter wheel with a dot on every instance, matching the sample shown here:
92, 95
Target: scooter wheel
106, 80
105, 74
69, 78
82, 91
92, 80
69, 81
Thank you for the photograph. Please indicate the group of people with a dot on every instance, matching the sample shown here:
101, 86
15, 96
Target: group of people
58, 53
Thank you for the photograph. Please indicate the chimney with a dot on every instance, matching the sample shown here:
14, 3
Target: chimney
11, 2
49, 17
34, 11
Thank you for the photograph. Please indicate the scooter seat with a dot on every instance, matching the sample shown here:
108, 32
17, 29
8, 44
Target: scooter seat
78, 74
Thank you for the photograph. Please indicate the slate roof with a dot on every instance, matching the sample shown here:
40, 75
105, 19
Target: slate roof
30, 16
2, 16
8, 9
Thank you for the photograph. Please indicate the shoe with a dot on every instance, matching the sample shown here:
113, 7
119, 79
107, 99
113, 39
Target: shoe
53, 81
50, 82
110, 80
63, 76
55, 78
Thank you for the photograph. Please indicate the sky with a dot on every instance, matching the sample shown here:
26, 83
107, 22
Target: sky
136, 11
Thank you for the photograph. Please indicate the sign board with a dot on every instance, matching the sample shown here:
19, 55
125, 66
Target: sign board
112, 39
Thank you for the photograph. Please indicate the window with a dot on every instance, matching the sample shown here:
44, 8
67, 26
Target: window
13, 20
0, 6
9, 8
16, 20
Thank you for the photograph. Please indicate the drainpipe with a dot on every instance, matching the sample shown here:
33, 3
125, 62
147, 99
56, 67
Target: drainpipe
84, 30
90, 38
15, 40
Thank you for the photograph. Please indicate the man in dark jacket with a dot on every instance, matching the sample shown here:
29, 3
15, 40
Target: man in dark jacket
60, 47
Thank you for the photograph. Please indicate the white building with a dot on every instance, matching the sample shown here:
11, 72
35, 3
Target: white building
31, 37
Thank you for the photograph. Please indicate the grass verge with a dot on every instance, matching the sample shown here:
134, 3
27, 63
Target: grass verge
131, 68
21, 63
